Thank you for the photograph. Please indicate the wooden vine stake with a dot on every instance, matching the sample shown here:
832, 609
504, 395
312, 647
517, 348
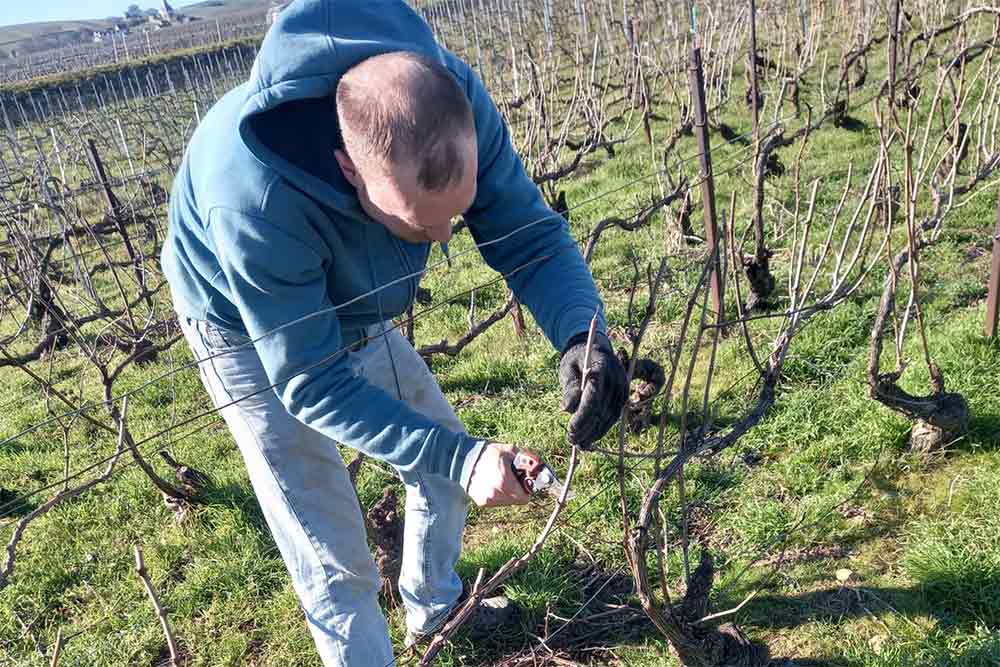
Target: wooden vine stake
893, 50
994, 285
697, 82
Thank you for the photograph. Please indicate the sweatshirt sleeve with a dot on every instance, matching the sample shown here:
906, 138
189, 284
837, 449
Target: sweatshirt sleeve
276, 279
510, 216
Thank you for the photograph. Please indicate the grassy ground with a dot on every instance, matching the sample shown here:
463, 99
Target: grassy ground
861, 552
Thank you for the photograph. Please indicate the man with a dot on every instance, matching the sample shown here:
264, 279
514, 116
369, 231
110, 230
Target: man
300, 221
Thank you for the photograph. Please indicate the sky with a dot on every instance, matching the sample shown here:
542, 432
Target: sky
28, 11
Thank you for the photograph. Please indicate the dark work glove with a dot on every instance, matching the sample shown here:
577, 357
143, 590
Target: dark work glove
599, 406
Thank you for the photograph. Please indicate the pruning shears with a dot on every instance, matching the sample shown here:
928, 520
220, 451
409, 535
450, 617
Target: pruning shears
535, 475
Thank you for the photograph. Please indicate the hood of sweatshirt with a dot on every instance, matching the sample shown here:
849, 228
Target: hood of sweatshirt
304, 54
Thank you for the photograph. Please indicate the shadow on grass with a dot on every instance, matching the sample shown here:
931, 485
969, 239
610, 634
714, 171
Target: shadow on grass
850, 124
589, 166
586, 643
13, 505
568, 612
813, 662
985, 430
945, 602
490, 381
245, 502
952, 603
693, 422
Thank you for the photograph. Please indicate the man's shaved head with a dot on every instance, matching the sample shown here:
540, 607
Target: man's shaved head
404, 108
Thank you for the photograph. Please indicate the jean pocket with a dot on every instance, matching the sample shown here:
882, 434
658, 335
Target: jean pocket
219, 338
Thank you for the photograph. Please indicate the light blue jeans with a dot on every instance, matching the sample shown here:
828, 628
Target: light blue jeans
305, 493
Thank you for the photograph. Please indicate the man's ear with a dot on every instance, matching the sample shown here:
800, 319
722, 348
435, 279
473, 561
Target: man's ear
348, 168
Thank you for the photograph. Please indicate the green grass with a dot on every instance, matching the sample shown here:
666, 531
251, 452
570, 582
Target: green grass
919, 534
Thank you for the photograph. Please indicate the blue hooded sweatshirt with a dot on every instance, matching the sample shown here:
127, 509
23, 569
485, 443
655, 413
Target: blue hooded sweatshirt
267, 238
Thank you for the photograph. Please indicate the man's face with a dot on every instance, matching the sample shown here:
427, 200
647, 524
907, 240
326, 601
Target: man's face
391, 196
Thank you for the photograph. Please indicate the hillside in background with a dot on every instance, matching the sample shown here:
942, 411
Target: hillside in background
14, 33
44, 35
213, 9
48, 34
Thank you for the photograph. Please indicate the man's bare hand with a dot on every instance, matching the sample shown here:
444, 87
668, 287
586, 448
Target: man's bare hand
493, 482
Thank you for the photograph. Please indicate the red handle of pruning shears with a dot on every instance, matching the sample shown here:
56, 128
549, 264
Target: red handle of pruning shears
530, 470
